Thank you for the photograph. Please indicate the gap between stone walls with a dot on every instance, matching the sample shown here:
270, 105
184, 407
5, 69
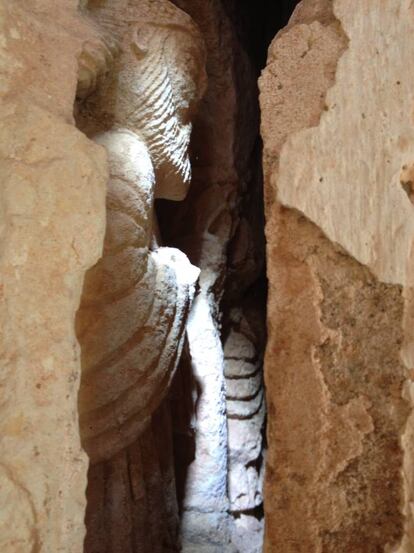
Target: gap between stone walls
206, 276
173, 420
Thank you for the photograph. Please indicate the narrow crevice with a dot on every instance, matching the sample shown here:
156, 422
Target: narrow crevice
158, 394
192, 452
220, 226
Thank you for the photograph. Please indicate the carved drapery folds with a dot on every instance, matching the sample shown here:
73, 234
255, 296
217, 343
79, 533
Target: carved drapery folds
133, 311
139, 83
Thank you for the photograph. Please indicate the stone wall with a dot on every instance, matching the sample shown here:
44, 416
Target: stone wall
132, 402
338, 150
52, 218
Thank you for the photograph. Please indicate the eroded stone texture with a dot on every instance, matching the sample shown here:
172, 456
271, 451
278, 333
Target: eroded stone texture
245, 410
134, 306
338, 137
138, 88
211, 227
132, 502
52, 215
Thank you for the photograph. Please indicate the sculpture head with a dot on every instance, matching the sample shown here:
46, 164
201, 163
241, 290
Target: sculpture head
165, 38
140, 80
156, 83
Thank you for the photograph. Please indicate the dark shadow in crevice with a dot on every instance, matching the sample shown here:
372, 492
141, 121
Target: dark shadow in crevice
255, 23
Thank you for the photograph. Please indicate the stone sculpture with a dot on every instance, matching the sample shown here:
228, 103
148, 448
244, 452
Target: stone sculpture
135, 300
204, 226
245, 415
139, 85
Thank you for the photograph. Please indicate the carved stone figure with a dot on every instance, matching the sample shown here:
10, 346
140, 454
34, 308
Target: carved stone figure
135, 300
154, 83
205, 226
139, 84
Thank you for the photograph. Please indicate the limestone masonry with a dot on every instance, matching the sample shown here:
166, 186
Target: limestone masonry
206, 276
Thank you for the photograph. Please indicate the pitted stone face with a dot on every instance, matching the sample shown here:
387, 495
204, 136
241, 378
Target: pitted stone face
52, 218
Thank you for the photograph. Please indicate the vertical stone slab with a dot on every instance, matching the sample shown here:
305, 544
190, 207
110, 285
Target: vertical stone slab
52, 214
338, 150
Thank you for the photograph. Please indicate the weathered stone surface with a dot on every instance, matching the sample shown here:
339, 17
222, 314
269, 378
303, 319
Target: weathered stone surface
247, 534
139, 87
246, 412
132, 497
52, 215
338, 137
157, 78
131, 321
137, 70
213, 227
202, 228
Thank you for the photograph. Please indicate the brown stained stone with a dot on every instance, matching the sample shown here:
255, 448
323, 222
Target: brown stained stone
52, 214
334, 381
